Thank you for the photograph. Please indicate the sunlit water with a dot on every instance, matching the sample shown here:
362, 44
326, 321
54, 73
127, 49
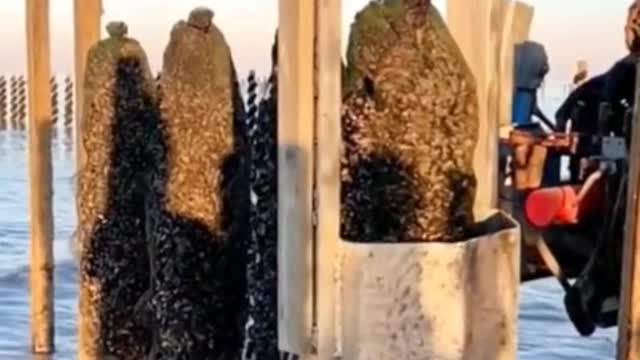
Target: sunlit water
545, 333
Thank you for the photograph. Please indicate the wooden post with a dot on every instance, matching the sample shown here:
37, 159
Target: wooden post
4, 119
87, 14
295, 180
328, 130
629, 312
523, 17
477, 27
506, 67
42, 264
516, 30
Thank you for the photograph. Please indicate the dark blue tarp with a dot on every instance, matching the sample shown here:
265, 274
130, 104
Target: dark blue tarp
531, 65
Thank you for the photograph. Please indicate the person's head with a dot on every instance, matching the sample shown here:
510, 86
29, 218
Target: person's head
632, 27
581, 66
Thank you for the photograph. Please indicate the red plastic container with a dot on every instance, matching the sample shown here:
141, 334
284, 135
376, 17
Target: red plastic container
552, 206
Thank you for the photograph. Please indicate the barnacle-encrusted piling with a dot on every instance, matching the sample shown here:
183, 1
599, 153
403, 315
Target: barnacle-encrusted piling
14, 107
53, 83
409, 127
22, 103
263, 264
199, 211
119, 115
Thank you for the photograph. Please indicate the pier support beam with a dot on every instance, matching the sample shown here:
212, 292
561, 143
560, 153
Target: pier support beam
40, 176
328, 134
478, 28
506, 65
309, 103
295, 176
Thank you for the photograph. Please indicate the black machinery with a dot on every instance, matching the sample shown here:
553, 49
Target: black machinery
574, 228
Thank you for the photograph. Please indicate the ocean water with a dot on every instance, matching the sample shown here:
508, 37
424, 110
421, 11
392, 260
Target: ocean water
545, 332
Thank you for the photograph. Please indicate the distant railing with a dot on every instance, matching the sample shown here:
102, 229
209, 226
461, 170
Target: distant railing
13, 100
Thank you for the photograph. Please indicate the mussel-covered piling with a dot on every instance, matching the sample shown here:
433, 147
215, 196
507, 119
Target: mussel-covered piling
54, 100
68, 92
409, 127
14, 105
199, 200
263, 266
22, 103
119, 115
4, 120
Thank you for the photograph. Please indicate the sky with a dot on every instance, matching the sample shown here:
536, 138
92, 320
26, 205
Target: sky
570, 30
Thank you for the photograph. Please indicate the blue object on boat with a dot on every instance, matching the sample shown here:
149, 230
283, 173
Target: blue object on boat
531, 65
523, 102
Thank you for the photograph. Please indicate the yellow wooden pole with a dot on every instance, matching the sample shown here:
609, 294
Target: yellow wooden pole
40, 170
629, 313
295, 180
328, 131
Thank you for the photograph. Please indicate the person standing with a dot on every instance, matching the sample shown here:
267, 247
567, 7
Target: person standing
618, 93
581, 76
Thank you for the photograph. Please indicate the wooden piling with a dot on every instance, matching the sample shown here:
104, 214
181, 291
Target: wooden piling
516, 30
4, 120
54, 100
68, 103
506, 66
13, 108
478, 29
40, 176
327, 174
295, 181
522, 27
629, 312
22, 103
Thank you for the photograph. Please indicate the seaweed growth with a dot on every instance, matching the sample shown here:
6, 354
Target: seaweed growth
119, 113
409, 127
199, 198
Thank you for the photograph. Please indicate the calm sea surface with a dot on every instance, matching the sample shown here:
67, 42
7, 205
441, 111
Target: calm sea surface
545, 333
